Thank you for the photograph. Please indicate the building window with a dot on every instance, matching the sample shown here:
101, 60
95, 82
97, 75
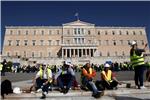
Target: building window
79, 31
98, 32
50, 32
99, 42
16, 54
82, 40
41, 42
19, 32
140, 32
113, 33
75, 31
17, 42
9, 42
89, 32
106, 33
89, 41
11, 32
68, 41
121, 42
116, 53
42, 32
142, 42
128, 42
57, 31
107, 42
57, 41
108, 54
50, 42
75, 40
127, 32
27, 32
123, 54
32, 54
134, 33
24, 53
33, 42
40, 54
79, 40
114, 42
25, 42
49, 54
82, 31
34, 33
8, 54
100, 53
68, 31
120, 32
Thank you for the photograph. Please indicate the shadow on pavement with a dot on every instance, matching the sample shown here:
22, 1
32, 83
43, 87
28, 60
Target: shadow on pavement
128, 98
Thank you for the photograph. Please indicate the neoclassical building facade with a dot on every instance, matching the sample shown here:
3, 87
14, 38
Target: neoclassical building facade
77, 39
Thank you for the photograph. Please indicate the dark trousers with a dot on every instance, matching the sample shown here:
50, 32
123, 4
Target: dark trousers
39, 83
65, 80
138, 77
102, 85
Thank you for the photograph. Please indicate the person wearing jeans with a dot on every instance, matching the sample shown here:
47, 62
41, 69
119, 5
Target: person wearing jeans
65, 77
87, 80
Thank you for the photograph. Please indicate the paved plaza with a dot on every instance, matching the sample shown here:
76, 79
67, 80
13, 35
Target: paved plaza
24, 81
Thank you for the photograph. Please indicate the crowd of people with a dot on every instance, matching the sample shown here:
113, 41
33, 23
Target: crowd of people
18, 68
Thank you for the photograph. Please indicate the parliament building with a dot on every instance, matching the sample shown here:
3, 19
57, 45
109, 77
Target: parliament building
77, 39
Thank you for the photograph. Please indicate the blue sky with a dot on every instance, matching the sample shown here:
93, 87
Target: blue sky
100, 13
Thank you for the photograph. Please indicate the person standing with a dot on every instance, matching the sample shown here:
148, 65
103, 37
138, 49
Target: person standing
137, 61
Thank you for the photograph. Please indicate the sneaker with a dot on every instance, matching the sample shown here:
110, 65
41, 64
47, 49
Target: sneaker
142, 87
39, 90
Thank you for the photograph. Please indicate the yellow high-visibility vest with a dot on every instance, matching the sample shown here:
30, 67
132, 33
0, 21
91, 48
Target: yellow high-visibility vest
1, 67
108, 76
48, 72
136, 60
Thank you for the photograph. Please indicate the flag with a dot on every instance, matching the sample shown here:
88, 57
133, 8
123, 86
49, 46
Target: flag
76, 14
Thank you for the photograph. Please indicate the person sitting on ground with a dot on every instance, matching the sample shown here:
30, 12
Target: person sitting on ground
65, 77
43, 80
87, 76
108, 79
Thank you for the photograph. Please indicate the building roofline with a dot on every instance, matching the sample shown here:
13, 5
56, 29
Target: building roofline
32, 27
116, 27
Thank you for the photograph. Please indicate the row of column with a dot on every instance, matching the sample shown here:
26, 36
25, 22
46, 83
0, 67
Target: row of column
78, 52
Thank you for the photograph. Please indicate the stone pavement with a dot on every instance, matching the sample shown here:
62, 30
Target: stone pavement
122, 93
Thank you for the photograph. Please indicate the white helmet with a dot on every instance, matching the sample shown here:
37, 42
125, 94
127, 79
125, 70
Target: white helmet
17, 90
133, 43
68, 62
106, 65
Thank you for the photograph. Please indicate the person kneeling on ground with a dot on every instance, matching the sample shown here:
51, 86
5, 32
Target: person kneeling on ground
43, 80
65, 77
87, 80
108, 80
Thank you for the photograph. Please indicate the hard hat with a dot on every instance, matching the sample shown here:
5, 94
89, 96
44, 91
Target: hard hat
68, 62
133, 43
17, 90
106, 65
